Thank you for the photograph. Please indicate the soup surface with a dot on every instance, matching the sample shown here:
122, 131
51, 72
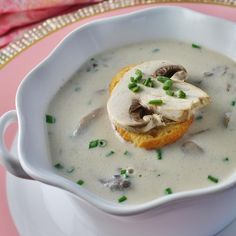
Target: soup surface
205, 156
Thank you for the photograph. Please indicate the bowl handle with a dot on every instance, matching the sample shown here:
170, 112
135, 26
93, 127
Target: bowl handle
11, 162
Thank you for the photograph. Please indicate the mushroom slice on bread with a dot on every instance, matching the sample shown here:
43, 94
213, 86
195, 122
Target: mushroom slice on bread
153, 95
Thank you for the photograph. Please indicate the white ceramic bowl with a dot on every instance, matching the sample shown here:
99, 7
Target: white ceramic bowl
205, 210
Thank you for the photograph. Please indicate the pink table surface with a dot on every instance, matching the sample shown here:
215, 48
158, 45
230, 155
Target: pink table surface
12, 74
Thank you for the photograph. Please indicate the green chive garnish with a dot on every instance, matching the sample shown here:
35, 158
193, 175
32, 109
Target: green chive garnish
97, 142
93, 143
159, 154
122, 199
168, 191
70, 170
126, 153
59, 166
196, 46
139, 73
162, 79
156, 102
123, 171
134, 87
226, 159
80, 182
167, 84
110, 153
50, 119
170, 92
148, 82
156, 50
233, 103
102, 143
199, 117
181, 94
77, 89
133, 80
213, 179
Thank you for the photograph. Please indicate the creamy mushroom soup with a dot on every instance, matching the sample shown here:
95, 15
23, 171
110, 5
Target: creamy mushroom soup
85, 148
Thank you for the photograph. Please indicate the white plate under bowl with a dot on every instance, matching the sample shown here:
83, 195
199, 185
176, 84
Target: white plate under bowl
35, 213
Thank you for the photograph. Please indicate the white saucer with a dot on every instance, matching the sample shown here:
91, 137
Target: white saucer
35, 214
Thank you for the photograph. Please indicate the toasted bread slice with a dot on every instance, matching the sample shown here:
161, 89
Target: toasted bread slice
156, 138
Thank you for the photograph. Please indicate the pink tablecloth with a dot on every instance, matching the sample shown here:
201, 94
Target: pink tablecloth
16, 17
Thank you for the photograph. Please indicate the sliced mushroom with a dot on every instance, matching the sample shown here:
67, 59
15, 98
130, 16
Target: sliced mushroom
86, 120
133, 111
190, 147
137, 111
175, 72
117, 182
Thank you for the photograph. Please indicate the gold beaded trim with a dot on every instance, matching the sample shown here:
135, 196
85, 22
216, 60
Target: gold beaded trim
53, 24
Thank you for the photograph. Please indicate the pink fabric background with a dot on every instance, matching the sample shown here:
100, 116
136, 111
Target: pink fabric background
18, 16
12, 74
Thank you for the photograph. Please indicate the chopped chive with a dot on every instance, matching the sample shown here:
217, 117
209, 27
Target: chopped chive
50, 119
77, 89
97, 142
148, 82
135, 89
122, 199
70, 170
102, 143
132, 85
200, 117
139, 73
156, 102
213, 179
110, 153
123, 171
196, 46
140, 176
167, 84
168, 191
93, 143
170, 92
133, 80
226, 159
159, 154
59, 166
162, 79
181, 94
156, 50
233, 103
126, 153
80, 182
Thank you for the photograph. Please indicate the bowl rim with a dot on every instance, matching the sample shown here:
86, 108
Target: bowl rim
85, 195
